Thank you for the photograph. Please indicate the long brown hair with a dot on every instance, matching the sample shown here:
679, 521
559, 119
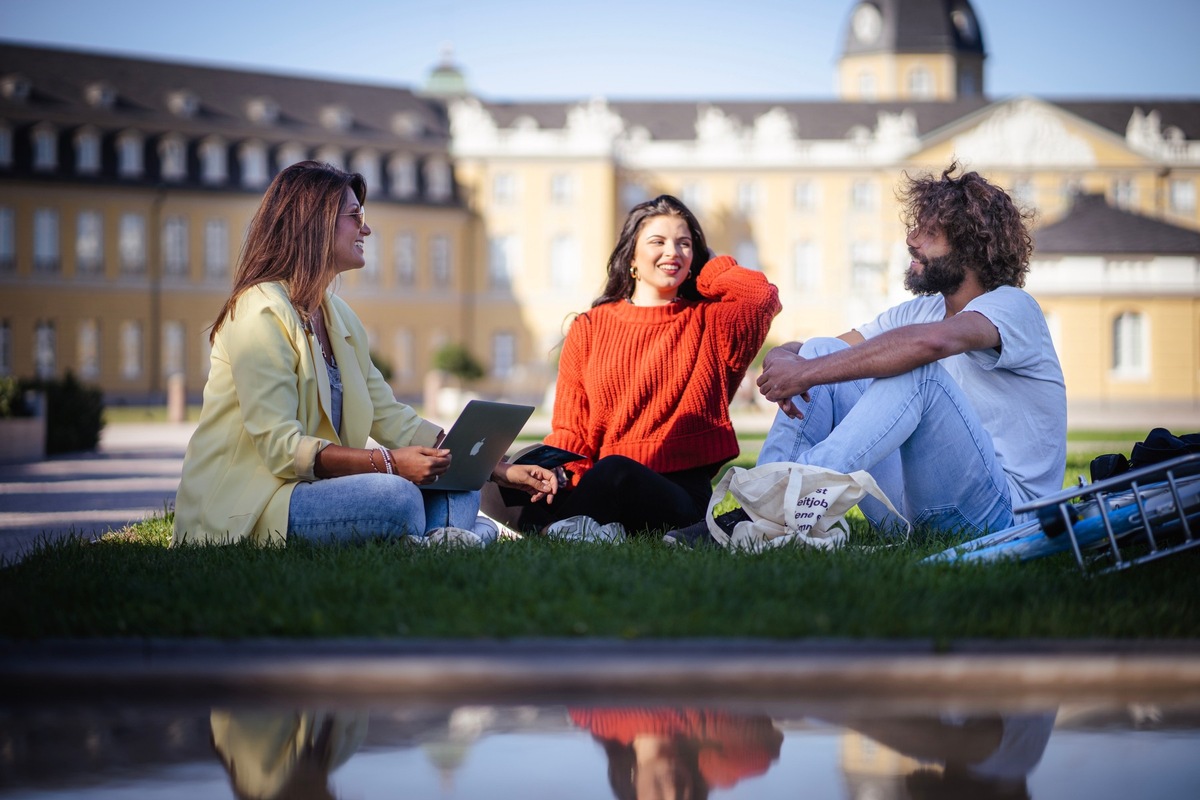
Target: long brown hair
620, 283
291, 236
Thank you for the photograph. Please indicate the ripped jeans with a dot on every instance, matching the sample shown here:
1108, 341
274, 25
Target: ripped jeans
915, 433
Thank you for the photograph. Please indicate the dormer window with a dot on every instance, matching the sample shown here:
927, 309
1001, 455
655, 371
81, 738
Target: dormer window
438, 179
262, 110
331, 155
15, 87
172, 156
129, 155
407, 124
100, 95
87, 151
336, 118
183, 103
213, 162
402, 170
288, 154
366, 163
6, 145
45, 148
254, 164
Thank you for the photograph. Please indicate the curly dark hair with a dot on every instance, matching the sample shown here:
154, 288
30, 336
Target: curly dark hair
983, 226
619, 285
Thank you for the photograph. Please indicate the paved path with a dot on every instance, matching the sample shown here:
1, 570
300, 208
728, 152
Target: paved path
132, 475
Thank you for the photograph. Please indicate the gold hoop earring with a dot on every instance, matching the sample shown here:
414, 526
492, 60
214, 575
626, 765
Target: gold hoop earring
633, 273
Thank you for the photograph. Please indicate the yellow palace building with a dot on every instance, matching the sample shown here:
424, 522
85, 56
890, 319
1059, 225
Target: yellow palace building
126, 186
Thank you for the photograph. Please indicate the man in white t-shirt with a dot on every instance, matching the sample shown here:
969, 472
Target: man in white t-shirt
954, 401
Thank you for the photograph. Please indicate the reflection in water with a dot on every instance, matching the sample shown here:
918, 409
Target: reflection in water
502, 752
272, 755
679, 753
947, 756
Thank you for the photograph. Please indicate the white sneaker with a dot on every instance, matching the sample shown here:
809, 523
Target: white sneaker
453, 537
502, 531
586, 529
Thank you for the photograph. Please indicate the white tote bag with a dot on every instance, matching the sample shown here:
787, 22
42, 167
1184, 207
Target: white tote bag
792, 503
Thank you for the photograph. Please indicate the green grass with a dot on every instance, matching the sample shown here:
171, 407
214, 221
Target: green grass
132, 584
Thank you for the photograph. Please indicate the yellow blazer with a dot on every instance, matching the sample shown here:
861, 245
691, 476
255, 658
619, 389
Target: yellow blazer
266, 415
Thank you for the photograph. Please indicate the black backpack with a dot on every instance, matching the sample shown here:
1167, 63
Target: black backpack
1160, 445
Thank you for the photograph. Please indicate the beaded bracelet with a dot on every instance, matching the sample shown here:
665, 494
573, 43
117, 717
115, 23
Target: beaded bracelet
371, 458
387, 461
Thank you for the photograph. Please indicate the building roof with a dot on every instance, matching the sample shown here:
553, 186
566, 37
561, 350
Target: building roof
917, 26
146, 94
1094, 227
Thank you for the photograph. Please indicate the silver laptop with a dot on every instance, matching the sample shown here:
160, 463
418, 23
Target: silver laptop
477, 440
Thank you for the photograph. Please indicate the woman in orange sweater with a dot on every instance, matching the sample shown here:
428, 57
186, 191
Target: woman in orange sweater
647, 374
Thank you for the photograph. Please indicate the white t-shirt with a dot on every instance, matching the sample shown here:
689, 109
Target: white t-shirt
1018, 393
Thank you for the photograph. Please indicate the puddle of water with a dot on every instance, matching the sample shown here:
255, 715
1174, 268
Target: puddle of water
762, 750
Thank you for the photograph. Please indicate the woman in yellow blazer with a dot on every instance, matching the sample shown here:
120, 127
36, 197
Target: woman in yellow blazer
292, 394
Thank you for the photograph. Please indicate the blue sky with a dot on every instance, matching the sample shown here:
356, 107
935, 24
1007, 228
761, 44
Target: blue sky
534, 49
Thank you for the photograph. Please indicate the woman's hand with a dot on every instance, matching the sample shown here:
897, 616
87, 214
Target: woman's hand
421, 465
538, 482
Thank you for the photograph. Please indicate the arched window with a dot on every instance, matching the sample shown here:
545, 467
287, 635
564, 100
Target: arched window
214, 167
172, 157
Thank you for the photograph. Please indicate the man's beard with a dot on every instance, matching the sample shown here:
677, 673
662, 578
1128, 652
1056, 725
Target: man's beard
941, 275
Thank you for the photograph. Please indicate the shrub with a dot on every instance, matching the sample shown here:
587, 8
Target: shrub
457, 360
12, 399
74, 413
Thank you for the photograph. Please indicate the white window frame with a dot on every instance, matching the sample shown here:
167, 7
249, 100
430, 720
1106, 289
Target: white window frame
438, 180
566, 261
252, 156
131, 350
172, 157
175, 245
405, 258
45, 148
503, 253
440, 267
216, 248
563, 189
87, 151
1182, 195
214, 161
806, 265
47, 253
87, 348
504, 354
1131, 346
89, 242
131, 159
131, 242
402, 171
8, 239
45, 349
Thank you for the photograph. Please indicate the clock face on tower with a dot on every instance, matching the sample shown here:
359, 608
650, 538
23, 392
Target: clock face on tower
866, 22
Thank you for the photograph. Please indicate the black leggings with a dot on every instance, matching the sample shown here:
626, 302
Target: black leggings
619, 489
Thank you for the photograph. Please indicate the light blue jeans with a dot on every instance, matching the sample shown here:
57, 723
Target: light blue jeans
356, 507
917, 435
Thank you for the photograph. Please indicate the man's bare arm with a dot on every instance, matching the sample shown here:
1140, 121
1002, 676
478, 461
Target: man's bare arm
900, 350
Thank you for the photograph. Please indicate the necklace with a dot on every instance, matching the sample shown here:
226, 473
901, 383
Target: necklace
315, 332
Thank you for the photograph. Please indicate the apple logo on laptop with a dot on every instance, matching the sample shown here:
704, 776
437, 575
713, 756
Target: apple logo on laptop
477, 446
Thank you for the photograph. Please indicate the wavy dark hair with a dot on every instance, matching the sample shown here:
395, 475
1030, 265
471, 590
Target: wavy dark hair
983, 226
291, 236
619, 285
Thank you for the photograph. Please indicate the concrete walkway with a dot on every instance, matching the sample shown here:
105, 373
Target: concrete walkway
132, 475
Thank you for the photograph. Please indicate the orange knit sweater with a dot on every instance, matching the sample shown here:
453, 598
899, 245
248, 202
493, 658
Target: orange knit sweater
654, 382
731, 746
